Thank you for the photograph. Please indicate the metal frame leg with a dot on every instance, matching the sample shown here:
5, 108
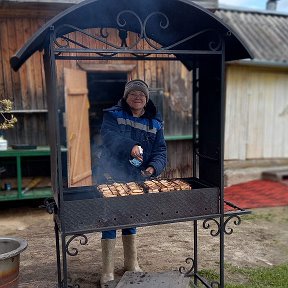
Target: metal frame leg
64, 262
59, 274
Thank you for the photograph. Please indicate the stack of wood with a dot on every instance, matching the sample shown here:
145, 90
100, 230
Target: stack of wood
155, 186
120, 189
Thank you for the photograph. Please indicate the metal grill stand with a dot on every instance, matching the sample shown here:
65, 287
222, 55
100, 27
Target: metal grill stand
183, 32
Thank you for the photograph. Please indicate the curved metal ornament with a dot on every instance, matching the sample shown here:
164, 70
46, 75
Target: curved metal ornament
162, 25
73, 28
104, 32
215, 284
236, 222
50, 205
74, 251
213, 45
206, 225
122, 23
69, 285
183, 270
73, 286
227, 230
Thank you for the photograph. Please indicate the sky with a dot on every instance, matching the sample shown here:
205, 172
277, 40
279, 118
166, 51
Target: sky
282, 5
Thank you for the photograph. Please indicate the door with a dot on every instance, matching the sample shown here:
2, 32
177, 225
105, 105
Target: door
105, 90
77, 128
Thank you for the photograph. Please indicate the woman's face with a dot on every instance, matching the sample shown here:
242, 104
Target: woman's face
136, 100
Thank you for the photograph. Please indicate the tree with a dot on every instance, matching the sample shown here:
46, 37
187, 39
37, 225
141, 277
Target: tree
8, 120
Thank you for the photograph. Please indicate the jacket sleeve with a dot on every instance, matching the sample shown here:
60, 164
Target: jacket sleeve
113, 140
158, 158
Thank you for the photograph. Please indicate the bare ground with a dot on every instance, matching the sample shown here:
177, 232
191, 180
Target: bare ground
260, 240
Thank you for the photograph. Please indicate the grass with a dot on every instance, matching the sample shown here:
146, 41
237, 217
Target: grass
274, 277
268, 216
255, 276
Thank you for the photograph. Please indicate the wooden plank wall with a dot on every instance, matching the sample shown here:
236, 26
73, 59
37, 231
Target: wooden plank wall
26, 88
256, 113
179, 159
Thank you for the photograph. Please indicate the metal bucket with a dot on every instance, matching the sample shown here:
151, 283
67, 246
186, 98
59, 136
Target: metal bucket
10, 249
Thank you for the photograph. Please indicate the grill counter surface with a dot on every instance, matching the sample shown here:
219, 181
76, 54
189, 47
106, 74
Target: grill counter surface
89, 210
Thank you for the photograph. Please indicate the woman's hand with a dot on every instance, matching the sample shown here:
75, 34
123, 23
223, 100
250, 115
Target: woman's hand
135, 153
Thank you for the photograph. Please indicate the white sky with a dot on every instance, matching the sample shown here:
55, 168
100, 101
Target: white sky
282, 5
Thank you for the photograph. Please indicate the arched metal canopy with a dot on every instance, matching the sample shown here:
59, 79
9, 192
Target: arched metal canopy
184, 17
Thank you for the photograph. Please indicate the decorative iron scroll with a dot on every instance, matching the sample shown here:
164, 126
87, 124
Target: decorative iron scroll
204, 281
237, 222
74, 251
215, 284
206, 225
190, 272
73, 286
63, 43
227, 230
49, 205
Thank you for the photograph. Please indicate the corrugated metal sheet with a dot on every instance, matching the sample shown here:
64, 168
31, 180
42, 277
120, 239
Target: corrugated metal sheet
266, 34
209, 4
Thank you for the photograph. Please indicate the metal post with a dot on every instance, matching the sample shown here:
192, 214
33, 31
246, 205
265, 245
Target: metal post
19, 177
194, 113
54, 139
222, 129
195, 252
54, 135
59, 274
64, 261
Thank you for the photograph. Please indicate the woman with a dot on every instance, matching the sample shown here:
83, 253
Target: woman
132, 123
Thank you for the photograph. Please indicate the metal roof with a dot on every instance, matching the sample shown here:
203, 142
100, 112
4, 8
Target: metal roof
264, 32
186, 19
208, 4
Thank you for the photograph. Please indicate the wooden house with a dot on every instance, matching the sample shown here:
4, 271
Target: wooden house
257, 90
170, 86
256, 114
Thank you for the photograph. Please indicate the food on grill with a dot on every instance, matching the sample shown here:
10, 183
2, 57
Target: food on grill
154, 186
151, 186
120, 189
107, 191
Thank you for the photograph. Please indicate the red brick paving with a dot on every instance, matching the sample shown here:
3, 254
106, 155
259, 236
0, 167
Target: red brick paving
258, 194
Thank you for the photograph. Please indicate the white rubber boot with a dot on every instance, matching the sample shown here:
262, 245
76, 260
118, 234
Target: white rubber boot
108, 249
130, 253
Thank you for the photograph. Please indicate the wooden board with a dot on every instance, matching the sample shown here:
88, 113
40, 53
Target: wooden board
77, 125
276, 175
256, 113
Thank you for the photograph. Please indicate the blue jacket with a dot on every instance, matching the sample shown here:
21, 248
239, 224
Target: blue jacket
120, 131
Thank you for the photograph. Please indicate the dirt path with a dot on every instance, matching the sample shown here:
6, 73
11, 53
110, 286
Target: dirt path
260, 240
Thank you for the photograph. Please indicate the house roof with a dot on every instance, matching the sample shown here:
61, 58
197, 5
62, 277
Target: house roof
208, 4
189, 21
264, 32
